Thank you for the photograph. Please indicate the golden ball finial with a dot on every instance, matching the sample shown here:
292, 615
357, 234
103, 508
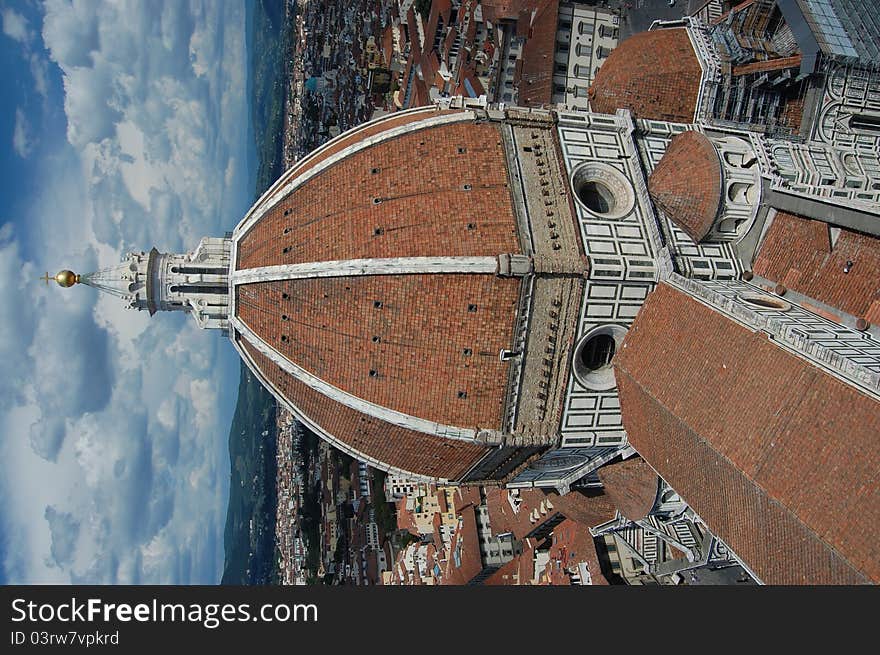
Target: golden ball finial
66, 278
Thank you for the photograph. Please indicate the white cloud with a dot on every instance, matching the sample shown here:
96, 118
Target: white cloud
204, 401
40, 72
167, 414
15, 26
22, 142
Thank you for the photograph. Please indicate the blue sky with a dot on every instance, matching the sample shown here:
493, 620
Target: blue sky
125, 126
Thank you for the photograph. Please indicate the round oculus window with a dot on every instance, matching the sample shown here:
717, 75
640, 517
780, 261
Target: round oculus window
591, 361
602, 190
764, 301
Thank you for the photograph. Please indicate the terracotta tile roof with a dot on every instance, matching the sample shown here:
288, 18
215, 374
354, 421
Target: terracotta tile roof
505, 9
506, 575
465, 544
420, 96
589, 508
686, 184
334, 216
447, 45
412, 32
406, 80
654, 74
430, 66
768, 65
387, 45
466, 495
572, 544
408, 450
406, 520
471, 31
443, 9
373, 568
536, 80
504, 519
430, 26
778, 457
391, 355
523, 23
631, 485
476, 87
792, 113
797, 253
347, 139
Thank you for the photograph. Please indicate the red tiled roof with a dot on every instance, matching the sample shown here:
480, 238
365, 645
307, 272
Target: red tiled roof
471, 32
502, 517
447, 45
589, 508
778, 457
506, 575
444, 9
797, 253
331, 323
573, 544
536, 80
406, 520
469, 563
523, 23
430, 28
654, 74
420, 96
408, 450
768, 65
631, 485
412, 32
353, 136
686, 184
387, 45
505, 9
328, 326
469, 74
466, 495
792, 113
430, 66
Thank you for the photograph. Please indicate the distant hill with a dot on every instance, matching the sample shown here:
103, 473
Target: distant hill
249, 536
267, 43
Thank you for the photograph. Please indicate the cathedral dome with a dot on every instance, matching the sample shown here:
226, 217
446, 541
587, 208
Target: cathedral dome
655, 75
365, 289
686, 184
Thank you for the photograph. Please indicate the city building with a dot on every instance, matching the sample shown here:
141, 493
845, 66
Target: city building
653, 308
